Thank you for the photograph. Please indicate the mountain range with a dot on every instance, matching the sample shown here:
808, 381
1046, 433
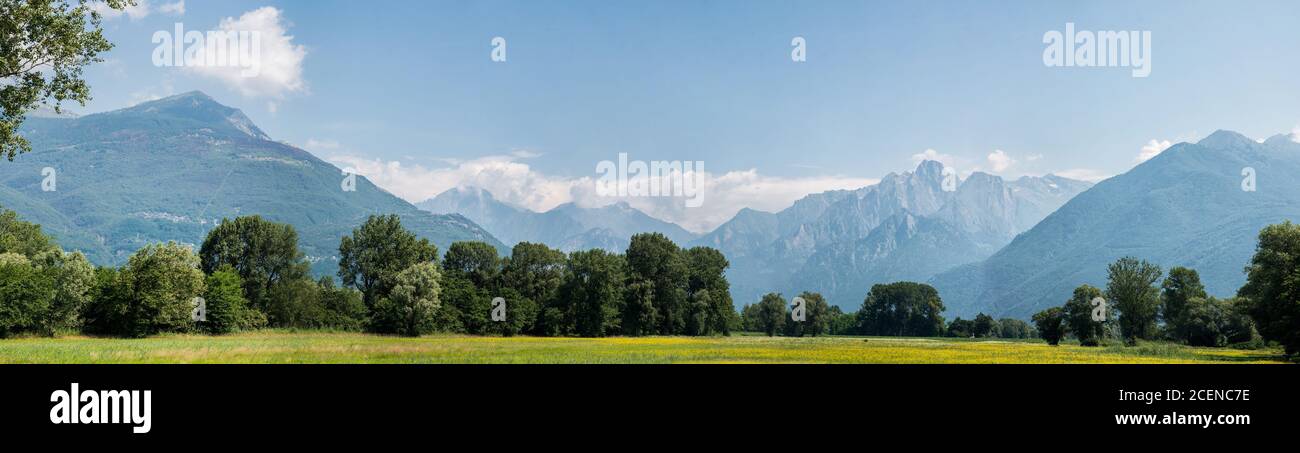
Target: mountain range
566, 227
1185, 207
170, 169
906, 227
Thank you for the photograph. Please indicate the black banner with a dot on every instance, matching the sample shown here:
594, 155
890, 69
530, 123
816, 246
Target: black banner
194, 402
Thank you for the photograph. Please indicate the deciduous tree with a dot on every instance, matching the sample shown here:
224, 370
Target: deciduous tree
1131, 291
593, 288
983, 326
227, 310
153, 293
707, 268
44, 46
1050, 324
372, 256
1273, 285
25, 296
1078, 316
410, 308
261, 252
1181, 286
476, 261
902, 309
771, 314
655, 259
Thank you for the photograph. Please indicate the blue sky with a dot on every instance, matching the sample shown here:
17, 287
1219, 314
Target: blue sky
405, 91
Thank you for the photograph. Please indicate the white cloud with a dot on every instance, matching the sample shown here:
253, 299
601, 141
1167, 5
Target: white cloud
517, 183
317, 146
507, 179
175, 9
139, 10
961, 165
163, 90
1000, 161
525, 154
1295, 134
1153, 148
1083, 174
279, 66
1033, 157
948, 160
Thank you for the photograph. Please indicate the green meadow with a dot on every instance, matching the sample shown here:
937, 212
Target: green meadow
278, 346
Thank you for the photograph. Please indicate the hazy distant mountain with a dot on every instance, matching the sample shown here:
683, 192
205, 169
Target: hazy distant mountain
904, 247
751, 231
508, 223
904, 228
1185, 207
622, 220
172, 168
1039, 196
567, 226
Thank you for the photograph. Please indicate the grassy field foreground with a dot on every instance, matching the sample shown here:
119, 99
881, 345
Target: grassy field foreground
319, 347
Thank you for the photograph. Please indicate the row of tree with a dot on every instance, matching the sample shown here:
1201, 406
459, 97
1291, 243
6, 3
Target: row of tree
655, 288
1133, 307
251, 274
1179, 309
984, 326
895, 309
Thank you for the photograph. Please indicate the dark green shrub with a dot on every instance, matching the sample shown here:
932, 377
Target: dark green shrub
25, 297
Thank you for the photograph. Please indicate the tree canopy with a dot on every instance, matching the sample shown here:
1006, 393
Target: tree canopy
261, 252
1078, 316
902, 309
1131, 291
1050, 325
1273, 285
410, 308
658, 265
372, 256
771, 314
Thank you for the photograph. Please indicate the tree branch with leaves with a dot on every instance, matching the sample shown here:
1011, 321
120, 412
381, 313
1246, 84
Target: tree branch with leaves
44, 46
